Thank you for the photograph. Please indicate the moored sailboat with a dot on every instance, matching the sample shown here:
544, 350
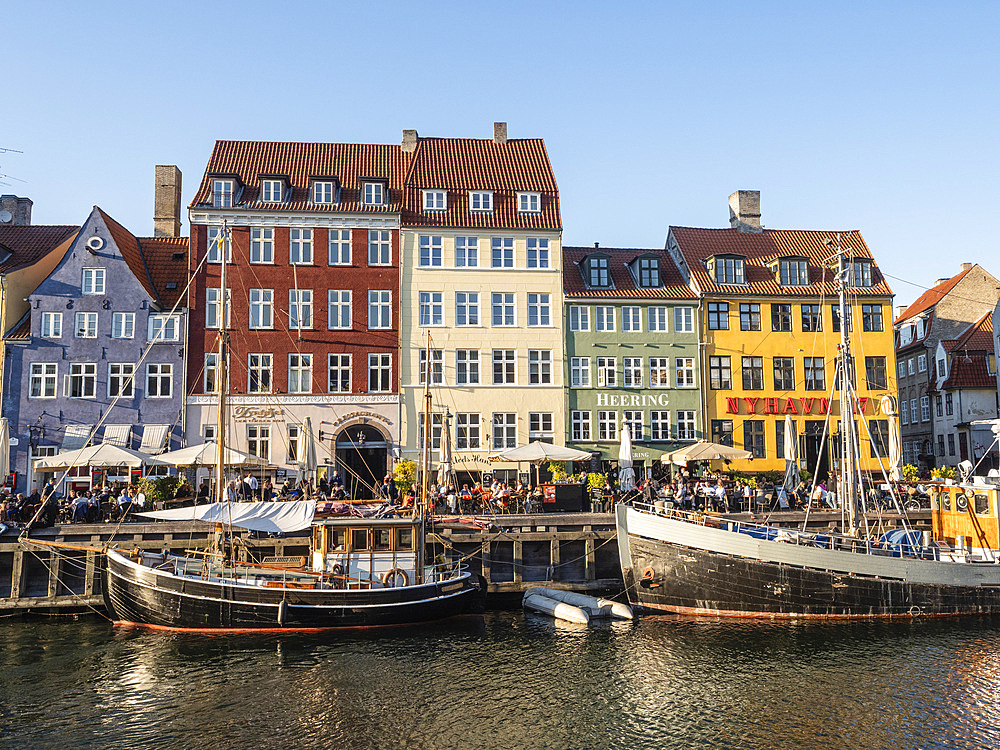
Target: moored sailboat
701, 564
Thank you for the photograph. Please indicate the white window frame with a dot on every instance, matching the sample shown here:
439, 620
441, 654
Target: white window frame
607, 426
466, 252
167, 325
656, 319
502, 252
323, 192
579, 370
430, 309
261, 304
684, 372
339, 251
430, 251
683, 319
607, 372
580, 427
261, 366
380, 364
93, 281
921, 363
659, 425
539, 310
259, 441
604, 318
538, 252
85, 325
379, 303
336, 366
631, 319
262, 245
222, 193
435, 200
507, 361
379, 247
43, 378
481, 201
529, 202
300, 367
86, 374
506, 304
659, 372
210, 373
373, 194
579, 318
212, 250
213, 307
437, 366
541, 425
468, 431
272, 191
467, 310
158, 376
125, 378
300, 309
539, 367
51, 325
648, 269
340, 309
633, 418
687, 426
300, 247
123, 325
467, 367
504, 430
632, 368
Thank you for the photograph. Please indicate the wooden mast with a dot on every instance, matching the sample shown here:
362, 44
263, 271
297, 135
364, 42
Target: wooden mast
425, 458
223, 379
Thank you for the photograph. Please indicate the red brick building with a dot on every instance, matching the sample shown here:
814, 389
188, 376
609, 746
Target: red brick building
313, 279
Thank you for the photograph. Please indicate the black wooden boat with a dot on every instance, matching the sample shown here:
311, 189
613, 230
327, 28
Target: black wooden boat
364, 573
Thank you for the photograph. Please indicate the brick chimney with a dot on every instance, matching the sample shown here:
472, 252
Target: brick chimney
744, 211
18, 208
167, 201
500, 133
409, 141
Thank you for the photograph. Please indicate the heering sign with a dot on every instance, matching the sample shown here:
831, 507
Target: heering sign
630, 399
801, 405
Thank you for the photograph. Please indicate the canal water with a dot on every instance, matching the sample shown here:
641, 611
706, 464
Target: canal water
506, 681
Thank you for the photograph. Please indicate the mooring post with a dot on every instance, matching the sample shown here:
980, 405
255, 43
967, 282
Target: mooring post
518, 562
486, 560
54, 566
554, 560
17, 574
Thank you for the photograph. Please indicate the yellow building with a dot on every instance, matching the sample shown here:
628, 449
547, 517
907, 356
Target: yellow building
481, 287
771, 333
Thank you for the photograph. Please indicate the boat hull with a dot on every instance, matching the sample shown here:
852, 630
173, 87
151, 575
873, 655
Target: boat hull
681, 567
138, 595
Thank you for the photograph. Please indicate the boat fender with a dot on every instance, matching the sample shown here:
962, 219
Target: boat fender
337, 570
647, 579
391, 577
282, 611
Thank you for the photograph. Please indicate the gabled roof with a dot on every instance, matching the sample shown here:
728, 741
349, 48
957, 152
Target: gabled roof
21, 330
459, 165
623, 284
969, 372
898, 336
23, 245
765, 247
931, 297
349, 162
151, 260
978, 337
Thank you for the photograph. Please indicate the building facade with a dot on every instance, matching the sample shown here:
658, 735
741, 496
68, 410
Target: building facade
631, 354
965, 392
940, 313
481, 289
100, 355
770, 332
313, 279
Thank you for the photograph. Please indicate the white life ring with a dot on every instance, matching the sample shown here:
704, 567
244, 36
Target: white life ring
392, 577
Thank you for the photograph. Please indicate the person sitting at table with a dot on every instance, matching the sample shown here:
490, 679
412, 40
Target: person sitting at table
80, 505
465, 498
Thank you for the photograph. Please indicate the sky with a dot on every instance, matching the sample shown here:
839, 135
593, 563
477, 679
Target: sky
872, 116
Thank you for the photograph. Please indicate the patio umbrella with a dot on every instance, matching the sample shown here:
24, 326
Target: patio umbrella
204, 454
626, 475
444, 467
307, 450
540, 453
792, 475
704, 451
4, 448
103, 454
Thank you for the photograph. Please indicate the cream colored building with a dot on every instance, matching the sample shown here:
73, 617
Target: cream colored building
481, 290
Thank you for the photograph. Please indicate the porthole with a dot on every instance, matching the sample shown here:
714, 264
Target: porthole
946, 500
982, 505
961, 502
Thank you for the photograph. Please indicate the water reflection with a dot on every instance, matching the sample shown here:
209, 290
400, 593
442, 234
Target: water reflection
509, 681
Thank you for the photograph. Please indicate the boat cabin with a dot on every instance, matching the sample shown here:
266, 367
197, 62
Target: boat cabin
365, 553
964, 516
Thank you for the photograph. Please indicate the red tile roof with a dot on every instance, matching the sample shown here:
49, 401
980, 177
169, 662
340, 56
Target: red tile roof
151, 261
623, 284
25, 245
978, 337
21, 330
348, 162
931, 297
459, 165
760, 249
973, 373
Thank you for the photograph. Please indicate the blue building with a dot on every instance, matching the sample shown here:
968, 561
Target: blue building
99, 357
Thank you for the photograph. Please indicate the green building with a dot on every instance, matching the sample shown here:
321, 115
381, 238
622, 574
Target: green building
631, 353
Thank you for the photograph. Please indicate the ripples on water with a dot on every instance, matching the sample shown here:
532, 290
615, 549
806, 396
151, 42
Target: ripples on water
509, 681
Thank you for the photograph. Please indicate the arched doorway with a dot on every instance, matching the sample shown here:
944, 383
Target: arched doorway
362, 459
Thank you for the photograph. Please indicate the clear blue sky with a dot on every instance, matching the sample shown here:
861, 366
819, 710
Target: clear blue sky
876, 116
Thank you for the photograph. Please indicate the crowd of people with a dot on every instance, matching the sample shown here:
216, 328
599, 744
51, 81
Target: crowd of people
476, 498
44, 507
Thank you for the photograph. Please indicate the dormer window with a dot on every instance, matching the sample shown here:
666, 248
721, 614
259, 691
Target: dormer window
597, 272
272, 191
529, 203
861, 273
481, 200
793, 272
435, 200
323, 192
728, 270
374, 194
649, 272
222, 193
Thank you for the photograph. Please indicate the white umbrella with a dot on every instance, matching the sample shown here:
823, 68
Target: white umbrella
307, 450
4, 448
539, 453
626, 475
895, 455
103, 454
704, 451
204, 454
792, 475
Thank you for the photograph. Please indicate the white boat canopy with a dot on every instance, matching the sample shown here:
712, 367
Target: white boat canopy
704, 451
539, 453
102, 454
205, 454
272, 518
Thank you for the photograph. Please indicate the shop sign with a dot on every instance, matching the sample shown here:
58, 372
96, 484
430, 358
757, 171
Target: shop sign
633, 399
258, 414
362, 415
801, 405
